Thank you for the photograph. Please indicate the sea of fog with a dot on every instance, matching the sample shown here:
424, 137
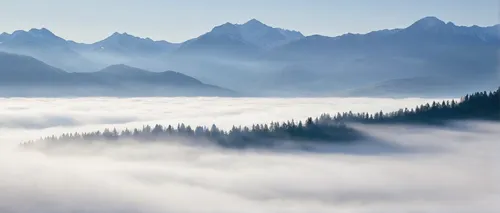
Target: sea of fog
451, 169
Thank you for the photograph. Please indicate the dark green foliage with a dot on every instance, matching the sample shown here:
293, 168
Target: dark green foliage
478, 106
326, 128
239, 137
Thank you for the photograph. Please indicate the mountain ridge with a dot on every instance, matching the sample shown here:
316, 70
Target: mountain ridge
255, 55
26, 76
249, 38
252, 21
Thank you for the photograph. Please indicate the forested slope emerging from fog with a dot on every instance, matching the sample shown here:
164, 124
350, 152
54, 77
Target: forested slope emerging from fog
325, 128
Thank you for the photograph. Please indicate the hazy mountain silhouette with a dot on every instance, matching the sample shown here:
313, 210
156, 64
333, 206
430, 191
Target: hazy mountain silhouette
256, 58
27, 76
46, 46
240, 39
18, 69
428, 48
126, 74
33, 38
428, 31
4, 36
222, 40
266, 37
124, 44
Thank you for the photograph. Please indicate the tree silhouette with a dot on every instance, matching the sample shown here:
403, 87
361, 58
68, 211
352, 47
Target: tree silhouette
325, 128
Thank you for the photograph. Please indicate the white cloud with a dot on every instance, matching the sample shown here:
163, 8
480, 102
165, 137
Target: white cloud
55, 115
407, 169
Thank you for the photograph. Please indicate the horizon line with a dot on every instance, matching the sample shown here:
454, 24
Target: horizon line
252, 19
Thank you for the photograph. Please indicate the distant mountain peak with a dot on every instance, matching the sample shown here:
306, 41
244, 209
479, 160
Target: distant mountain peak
252, 36
119, 66
225, 25
3, 36
121, 69
254, 22
40, 30
431, 19
44, 32
126, 44
125, 36
429, 22
226, 28
121, 35
34, 36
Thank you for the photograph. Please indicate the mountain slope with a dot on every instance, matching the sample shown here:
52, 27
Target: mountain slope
15, 69
266, 37
4, 36
427, 31
124, 44
47, 47
26, 76
259, 58
240, 39
139, 82
124, 73
427, 48
32, 38
222, 40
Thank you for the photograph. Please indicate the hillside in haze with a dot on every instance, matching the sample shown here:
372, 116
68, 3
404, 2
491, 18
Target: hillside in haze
46, 46
246, 39
430, 57
428, 49
27, 76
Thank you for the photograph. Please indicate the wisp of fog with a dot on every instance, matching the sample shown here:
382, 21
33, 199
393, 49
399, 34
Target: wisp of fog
401, 169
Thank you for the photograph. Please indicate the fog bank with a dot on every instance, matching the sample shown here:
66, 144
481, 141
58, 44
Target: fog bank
452, 169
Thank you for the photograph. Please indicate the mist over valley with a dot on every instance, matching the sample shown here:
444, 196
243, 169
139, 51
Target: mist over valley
249, 106
450, 170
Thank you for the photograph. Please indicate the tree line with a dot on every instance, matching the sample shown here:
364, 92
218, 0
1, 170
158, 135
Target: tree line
326, 128
238, 137
480, 105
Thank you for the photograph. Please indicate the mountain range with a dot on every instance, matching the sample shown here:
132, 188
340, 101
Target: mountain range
254, 58
250, 37
27, 76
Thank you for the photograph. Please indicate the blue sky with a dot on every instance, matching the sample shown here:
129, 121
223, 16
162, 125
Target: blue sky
179, 20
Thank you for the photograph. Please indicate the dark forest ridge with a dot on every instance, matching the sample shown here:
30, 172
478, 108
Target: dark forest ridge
326, 128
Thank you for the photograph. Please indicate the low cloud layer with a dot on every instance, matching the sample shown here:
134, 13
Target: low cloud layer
452, 169
77, 113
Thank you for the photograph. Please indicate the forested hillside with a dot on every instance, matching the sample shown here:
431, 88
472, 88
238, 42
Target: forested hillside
325, 128
479, 106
